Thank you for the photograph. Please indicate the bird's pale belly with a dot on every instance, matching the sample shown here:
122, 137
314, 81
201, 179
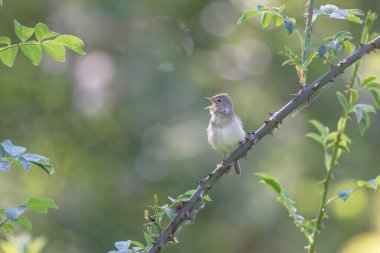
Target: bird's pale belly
225, 139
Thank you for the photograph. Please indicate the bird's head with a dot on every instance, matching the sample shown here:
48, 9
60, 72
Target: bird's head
221, 103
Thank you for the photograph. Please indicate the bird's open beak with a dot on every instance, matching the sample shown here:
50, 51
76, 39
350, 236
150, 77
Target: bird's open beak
211, 106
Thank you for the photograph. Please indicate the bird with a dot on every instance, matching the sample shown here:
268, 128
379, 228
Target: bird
225, 130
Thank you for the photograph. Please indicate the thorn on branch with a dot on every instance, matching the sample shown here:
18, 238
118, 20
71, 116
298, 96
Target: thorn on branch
278, 122
317, 86
361, 45
266, 122
374, 45
332, 66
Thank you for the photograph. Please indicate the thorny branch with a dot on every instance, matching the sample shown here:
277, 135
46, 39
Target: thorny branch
274, 121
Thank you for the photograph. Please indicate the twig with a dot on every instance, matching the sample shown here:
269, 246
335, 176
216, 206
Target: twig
208, 182
306, 47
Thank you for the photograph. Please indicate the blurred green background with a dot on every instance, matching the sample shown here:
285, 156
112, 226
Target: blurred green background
126, 122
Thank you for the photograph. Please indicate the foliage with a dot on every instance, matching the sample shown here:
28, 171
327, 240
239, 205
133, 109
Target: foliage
15, 214
46, 41
157, 216
335, 143
10, 153
53, 45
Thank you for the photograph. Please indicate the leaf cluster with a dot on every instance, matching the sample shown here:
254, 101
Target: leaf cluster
45, 40
10, 153
14, 215
157, 217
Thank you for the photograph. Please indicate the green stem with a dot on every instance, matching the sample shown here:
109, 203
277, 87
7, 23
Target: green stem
306, 48
334, 158
4, 221
326, 184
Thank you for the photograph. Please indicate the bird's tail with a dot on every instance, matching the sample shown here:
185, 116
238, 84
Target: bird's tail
236, 168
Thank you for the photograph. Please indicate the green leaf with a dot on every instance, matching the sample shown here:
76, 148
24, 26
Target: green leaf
345, 194
323, 130
349, 47
5, 40
23, 32
138, 244
334, 12
8, 55
149, 240
362, 116
270, 181
248, 15
343, 102
7, 228
277, 19
40, 204
266, 17
42, 32
316, 137
71, 42
376, 96
55, 51
33, 51
353, 96
279, 9
207, 197
368, 80
24, 222
370, 184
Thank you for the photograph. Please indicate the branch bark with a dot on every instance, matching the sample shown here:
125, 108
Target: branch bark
206, 184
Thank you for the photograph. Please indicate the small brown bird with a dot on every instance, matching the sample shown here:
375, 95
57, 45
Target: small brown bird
225, 130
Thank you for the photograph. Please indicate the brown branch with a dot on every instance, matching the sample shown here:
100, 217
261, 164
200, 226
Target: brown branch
276, 118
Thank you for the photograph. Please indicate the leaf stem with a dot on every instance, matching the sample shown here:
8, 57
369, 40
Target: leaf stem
3, 222
306, 47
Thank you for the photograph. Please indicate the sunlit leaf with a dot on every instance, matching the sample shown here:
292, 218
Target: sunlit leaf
343, 102
5, 40
33, 51
335, 12
42, 32
323, 130
270, 181
73, 43
316, 137
8, 55
23, 32
266, 17
248, 15
370, 184
12, 150
376, 96
7, 228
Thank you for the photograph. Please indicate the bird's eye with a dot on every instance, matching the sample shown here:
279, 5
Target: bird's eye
219, 100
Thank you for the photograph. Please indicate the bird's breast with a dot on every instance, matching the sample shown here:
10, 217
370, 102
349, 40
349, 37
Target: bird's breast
225, 137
